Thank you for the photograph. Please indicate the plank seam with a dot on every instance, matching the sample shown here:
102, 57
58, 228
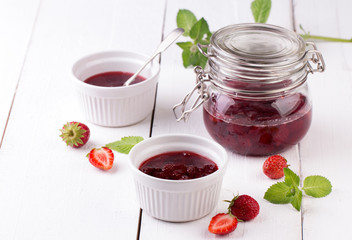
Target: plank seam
292, 3
152, 118
300, 176
21, 71
156, 92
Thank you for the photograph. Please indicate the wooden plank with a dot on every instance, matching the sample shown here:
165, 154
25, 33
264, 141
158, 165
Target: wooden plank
326, 150
244, 174
17, 21
48, 190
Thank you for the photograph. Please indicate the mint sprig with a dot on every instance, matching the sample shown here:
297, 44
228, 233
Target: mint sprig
198, 32
289, 191
307, 36
125, 144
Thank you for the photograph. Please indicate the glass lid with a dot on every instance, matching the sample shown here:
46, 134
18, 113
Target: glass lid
259, 43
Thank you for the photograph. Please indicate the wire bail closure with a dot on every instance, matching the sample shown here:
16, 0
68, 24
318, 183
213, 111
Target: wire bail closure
316, 59
205, 54
203, 95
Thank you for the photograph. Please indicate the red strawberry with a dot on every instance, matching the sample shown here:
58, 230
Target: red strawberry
75, 134
274, 166
244, 207
223, 223
102, 158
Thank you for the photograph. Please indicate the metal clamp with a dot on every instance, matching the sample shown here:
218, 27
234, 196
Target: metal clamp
203, 95
316, 59
205, 54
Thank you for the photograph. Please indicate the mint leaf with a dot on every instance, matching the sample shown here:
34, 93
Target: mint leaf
202, 60
125, 144
185, 45
191, 56
279, 193
198, 30
261, 10
316, 186
197, 59
186, 58
291, 179
297, 199
292, 192
185, 19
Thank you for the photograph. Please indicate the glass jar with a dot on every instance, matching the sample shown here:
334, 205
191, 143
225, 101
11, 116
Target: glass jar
254, 88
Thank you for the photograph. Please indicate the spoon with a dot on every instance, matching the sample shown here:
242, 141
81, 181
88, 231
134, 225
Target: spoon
162, 47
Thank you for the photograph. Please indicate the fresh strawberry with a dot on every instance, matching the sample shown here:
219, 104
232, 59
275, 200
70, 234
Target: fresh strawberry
244, 207
75, 134
274, 166
222, 223
102, 158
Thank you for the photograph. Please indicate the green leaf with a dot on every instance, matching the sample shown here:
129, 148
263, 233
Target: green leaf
291, 179
185, 45
292, 192
125, 144
316, 186
297, 199
279, 193
202, 60
192, 57
197, 59
185, 19
200, 31
186, 57
261, 10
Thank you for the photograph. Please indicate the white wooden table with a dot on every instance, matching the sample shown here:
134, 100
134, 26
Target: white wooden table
50, 191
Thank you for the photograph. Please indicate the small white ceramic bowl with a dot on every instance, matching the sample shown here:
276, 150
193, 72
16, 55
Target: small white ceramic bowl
178, 200
116, 106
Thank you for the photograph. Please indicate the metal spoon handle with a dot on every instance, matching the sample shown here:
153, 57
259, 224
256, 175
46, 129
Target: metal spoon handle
162, 47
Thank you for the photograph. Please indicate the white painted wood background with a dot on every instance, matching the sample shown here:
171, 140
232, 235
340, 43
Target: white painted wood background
50, 191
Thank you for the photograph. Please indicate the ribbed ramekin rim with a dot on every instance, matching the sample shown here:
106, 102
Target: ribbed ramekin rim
220, 170
146, 81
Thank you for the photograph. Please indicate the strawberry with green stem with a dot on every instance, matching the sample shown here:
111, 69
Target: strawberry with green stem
244, 207
75, 134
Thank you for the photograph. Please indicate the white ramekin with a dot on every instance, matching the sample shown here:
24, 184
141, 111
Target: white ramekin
116, 106
178, 200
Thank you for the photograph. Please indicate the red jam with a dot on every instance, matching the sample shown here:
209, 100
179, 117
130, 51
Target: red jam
180, 165
250, 127
112, 79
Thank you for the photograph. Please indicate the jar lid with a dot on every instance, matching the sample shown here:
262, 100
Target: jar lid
259, 59
258, 44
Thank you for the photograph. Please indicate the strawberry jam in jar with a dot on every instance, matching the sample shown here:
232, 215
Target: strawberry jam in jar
254, 88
